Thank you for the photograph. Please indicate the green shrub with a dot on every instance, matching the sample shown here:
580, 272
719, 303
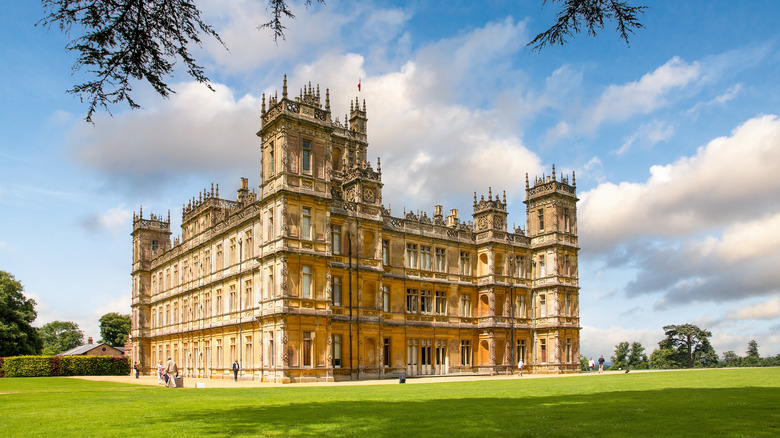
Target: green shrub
27, 366
94, 366
2, 372
43, 366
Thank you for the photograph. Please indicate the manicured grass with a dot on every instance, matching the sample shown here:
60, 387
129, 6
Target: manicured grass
730, 402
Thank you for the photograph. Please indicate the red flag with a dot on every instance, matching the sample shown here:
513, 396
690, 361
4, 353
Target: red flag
359, 80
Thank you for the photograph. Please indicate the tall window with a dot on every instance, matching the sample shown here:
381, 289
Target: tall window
386, 298
306, 223
541, 219
306, 155
441, 303
336, 238
542, 269
566, 265
270, 230
542, 306
271, 159
465, 305
543, 350
247, 302
411, 300
519, 267
233, 299
411, 256
207, 262
336, 286
269, 290
306, 281
465, 263
566, 226
568, 350
386, 352
220, 257
248, 244
567, 305
232, 253
425, 257
425, 301
521, 349
207, 305
307, 348
337, 351
440, 259
175, 313
465, 353
520, 306
386, 252
271, 351
218, 302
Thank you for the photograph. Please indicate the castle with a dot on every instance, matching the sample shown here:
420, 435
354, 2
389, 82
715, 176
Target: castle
312, 278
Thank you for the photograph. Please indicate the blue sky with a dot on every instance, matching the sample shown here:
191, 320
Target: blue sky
675, 141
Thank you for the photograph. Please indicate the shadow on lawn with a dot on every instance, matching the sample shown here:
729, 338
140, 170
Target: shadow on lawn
666, 412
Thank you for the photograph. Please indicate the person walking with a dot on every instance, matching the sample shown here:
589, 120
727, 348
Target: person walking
160, 370
235, 371
171, 370
520, 367
591, 364
601, 364
135, 367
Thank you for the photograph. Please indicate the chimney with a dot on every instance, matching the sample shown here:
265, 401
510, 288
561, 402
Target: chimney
452, 219
89, 340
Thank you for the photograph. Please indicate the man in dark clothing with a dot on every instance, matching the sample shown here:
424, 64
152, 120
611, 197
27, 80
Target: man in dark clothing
235, 371
601, 364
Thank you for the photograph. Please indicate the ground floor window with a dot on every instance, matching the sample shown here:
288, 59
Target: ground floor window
465, 353
337, 351
386, 352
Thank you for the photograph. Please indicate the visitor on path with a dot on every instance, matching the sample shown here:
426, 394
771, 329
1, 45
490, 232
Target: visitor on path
591, 364
601, 364
520, 367
135, 367
171, 371
235, 371
160, 371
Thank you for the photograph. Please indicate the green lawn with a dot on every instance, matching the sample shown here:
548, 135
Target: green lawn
729, 402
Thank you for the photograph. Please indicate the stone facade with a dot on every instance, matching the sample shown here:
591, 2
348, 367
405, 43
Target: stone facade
312, 279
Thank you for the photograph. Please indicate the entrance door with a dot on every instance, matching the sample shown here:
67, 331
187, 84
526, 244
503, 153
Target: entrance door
441, 357
411, 357
426, 359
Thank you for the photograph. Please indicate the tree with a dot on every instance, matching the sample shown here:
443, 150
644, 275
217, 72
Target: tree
730, 359
59, 336
17, 313
690, 344
620, 358
664, 359
752, 350
114, 329
752, 359
591, 15
637, 359
118, 41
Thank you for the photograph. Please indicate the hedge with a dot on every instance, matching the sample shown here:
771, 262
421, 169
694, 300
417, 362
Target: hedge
42, 366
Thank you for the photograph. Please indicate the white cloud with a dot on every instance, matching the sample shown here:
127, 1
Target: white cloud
705, 228
114, 220
619, 102
648, 134
768, 309
197, 130
730, 94
723, 182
